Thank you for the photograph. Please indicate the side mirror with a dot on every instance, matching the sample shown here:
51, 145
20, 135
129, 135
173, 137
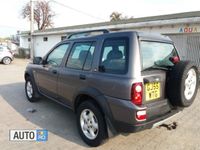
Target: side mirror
37, 60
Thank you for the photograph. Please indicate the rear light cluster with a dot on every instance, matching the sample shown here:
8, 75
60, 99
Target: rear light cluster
136, 98
175, 59
136, 93
141, 115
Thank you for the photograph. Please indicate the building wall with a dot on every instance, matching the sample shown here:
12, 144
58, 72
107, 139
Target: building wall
185, 37
12, 46
188, 46
24, 43
41, 47
171, 29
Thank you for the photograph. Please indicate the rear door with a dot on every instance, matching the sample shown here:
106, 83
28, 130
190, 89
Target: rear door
155, 63
77, 72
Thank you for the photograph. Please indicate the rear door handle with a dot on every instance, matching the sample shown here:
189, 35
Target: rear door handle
82, 77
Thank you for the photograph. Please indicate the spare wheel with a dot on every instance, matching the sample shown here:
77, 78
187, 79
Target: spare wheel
182, 84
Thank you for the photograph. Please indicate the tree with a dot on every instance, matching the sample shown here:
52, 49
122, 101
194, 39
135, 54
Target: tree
43, 14
116, 16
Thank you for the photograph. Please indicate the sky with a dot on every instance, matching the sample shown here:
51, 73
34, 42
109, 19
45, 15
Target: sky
98, 10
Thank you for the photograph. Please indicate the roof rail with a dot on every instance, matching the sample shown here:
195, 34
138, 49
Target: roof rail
87, 33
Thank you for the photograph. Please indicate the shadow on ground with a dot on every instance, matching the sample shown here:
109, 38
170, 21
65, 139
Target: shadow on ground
49, 115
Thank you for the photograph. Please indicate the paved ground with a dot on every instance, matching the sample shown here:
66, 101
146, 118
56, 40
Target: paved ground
60, 122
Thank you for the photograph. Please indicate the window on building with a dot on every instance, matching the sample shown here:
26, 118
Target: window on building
29, 39
63, 38
45, 39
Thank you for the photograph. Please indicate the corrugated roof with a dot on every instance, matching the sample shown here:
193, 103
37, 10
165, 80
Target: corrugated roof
133, 20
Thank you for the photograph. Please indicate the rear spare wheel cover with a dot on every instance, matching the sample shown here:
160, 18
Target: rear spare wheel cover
190, 84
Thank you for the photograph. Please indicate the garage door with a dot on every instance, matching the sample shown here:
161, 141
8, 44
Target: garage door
188, 46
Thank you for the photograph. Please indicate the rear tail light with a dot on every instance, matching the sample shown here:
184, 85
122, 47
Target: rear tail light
175, 59
141, 115
136, 93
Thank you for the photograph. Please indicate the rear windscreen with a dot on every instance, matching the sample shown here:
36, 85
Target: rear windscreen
156, 54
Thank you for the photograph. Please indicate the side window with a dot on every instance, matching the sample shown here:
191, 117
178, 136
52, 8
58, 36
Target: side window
114, 56
81, 56
56, 56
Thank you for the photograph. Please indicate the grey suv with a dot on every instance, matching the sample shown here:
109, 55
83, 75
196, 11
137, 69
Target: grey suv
114, 82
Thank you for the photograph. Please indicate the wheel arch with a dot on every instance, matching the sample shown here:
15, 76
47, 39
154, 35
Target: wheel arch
29, 73
26, 75
7, 57
98, 99
90, 94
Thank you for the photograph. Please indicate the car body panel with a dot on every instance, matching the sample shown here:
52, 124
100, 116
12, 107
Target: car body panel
4, 52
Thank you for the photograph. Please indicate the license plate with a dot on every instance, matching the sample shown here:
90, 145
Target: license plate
152, 91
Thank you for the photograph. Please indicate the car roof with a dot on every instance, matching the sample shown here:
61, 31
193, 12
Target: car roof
154, 37
141, 35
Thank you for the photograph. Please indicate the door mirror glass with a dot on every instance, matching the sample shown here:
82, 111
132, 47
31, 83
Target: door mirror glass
37, 60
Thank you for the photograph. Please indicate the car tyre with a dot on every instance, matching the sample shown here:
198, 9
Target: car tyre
6, 60
30, 90
91, 124
182, 85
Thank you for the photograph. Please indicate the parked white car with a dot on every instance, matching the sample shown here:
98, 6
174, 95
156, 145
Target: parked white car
6, 56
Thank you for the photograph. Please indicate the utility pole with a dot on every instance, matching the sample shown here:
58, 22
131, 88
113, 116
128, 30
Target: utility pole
32, 30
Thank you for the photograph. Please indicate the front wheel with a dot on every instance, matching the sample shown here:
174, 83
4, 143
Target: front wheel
30, 90
6, 60
91, 124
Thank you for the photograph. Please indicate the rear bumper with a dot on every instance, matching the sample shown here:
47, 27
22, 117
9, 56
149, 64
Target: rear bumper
124, 113
128, 128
